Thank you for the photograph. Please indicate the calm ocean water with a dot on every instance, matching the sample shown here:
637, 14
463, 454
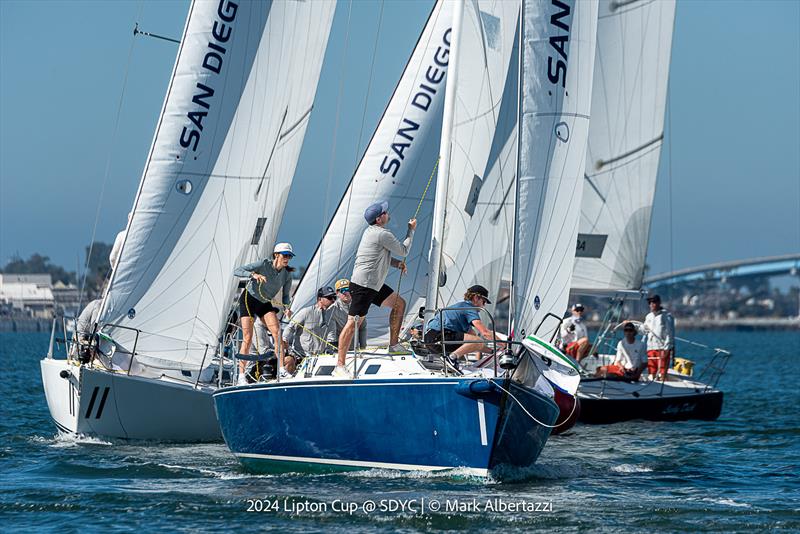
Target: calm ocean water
740, 473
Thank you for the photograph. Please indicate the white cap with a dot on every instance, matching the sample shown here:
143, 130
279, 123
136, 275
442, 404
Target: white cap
283, 248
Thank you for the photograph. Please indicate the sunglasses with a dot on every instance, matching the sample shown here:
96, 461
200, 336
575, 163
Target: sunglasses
344, 290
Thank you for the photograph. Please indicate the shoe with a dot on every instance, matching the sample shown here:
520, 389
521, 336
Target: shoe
241, 381
340, 372
398, 348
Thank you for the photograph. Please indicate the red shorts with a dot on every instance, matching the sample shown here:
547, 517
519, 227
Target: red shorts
615, 370
657, 360
572, 349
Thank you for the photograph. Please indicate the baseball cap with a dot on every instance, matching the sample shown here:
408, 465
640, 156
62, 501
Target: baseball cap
375, 210
480, 290
654, 298
577, 306
344, 283
326, 291
283, 248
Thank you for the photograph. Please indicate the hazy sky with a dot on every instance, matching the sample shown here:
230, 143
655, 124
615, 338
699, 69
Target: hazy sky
735, 116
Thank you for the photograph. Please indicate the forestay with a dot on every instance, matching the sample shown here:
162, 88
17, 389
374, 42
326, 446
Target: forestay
558, 45
218, 173
397, 166
478, 154
625, 138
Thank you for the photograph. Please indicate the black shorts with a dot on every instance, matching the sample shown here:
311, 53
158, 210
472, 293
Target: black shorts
434, 337
254, 307
364, 296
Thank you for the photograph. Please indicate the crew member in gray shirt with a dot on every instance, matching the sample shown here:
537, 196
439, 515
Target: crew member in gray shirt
373, 259
85, 327
267, 277
308, 328
339, 313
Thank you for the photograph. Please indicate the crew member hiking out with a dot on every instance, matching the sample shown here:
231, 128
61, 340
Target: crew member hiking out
267, 277
367, 287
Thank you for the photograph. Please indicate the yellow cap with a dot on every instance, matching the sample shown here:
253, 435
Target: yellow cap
343, 283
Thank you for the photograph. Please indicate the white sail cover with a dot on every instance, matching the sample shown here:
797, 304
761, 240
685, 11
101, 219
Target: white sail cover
218, 174
397, 166
625, 137
476, 183
558, 44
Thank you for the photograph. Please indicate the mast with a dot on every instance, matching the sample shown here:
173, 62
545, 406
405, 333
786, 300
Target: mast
440, 202
511, 309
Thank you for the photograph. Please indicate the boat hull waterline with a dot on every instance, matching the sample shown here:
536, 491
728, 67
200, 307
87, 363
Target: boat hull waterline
98, 403
417, 424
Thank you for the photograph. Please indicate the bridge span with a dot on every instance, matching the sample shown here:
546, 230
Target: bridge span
765, 266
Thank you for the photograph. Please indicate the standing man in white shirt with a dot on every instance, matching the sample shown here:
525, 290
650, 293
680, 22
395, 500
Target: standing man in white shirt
631, 358
660, 328
367, 287
575, 335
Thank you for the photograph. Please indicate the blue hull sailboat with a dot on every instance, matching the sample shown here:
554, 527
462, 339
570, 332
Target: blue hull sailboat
419, 421
419, 411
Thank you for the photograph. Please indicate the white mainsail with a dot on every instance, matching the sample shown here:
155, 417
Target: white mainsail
397, 166
625, 138
478, 154
218, 174
557, 59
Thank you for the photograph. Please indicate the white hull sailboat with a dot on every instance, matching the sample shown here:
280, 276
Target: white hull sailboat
94, 402
211, 198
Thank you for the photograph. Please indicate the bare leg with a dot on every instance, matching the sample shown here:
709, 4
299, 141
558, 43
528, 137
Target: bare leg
583, 348
247, 339
273, 325
346, 338
477, 345
398, 306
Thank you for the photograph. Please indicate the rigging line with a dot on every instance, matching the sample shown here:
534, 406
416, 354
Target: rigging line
669, 184
369, 82
108, 162
335, 132
360, 135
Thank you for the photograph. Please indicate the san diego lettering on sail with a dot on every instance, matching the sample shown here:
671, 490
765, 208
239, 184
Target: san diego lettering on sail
557, 67
212, 62
422, 99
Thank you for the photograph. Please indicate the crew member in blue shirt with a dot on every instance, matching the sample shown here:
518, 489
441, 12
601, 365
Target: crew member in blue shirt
460, 326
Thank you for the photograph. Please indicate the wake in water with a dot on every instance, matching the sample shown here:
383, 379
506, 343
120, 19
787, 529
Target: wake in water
63, 440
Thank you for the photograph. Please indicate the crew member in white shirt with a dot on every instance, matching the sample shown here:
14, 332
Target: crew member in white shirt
575, 335
631, 358
660, 328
